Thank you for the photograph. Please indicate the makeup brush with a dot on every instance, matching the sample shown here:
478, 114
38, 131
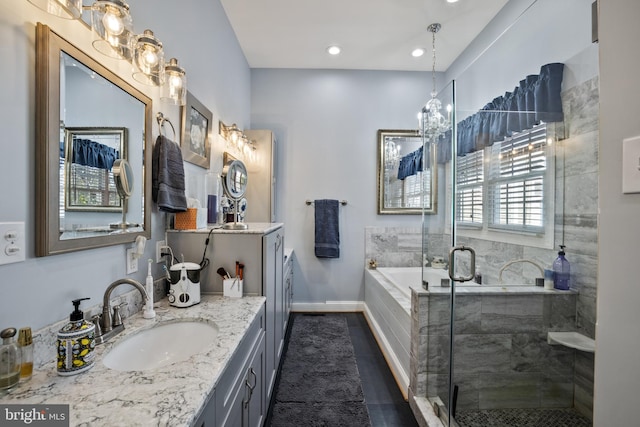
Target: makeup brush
223, 273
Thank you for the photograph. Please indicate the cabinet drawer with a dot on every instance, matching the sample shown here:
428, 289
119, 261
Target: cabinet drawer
233, 378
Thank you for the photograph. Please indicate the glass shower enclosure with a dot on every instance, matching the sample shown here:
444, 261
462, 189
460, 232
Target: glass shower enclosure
517, 176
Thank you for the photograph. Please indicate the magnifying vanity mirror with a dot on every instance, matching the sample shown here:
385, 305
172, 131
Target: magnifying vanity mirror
407, 173
92, 143
234, 180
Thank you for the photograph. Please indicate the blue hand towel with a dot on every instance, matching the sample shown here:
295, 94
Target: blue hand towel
167, 173
327, 234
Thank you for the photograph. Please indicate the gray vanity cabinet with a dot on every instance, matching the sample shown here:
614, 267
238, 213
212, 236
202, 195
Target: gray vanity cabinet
261, 250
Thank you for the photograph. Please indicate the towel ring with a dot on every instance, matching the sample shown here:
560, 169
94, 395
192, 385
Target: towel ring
161, 121
310, 202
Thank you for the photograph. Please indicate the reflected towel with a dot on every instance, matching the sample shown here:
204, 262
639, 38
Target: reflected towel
327, 234
167, 173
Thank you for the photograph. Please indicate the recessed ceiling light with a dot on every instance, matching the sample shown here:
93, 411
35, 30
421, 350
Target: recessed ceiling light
417, 52
452, 1
333, 50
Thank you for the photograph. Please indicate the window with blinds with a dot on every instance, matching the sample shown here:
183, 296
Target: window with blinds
516, 181
503, 187
469, 195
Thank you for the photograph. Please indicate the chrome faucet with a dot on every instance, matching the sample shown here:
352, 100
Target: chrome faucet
108, 328
515, 261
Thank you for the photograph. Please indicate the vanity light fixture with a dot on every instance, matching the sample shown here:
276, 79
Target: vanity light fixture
334, 50
230, 133
66, 9
112, 27
435, 124
148, 59
174, 89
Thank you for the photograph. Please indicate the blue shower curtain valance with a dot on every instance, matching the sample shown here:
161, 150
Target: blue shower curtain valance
536, 99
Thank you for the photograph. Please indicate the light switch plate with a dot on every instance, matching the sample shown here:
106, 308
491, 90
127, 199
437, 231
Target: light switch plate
631, 165
132, 262
12, 242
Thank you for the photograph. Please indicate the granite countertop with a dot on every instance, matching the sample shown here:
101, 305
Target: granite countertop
253, 228
171, 395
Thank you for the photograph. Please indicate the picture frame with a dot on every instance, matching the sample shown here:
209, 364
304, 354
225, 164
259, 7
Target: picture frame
196, 129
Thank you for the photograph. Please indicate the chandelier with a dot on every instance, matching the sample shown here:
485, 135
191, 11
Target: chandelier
432, 123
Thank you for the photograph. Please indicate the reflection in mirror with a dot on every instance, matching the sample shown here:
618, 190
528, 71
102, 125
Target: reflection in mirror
123, 176
407, 173
89, 183
87, 118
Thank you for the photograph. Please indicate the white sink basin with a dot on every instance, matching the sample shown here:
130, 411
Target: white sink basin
161, 345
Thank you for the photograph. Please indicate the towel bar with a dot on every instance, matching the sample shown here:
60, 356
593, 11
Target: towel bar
310, 202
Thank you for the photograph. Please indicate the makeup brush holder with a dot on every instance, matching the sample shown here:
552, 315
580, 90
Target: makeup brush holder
232, 287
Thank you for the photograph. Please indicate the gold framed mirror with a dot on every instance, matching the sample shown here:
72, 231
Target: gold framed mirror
407, 173
75, 91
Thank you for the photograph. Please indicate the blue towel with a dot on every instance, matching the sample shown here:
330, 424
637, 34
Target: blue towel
327, 234
167, 173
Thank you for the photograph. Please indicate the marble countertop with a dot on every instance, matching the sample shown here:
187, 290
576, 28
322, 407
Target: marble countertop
171, 395
253, 228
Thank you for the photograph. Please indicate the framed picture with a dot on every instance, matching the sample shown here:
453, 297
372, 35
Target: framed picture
196, 127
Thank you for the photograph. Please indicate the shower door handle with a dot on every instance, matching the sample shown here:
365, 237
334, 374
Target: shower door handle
472, 254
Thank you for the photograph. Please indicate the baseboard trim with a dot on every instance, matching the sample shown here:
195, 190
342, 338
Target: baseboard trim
401, 377
329, 306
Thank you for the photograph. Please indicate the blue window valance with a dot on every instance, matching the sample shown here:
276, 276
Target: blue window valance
412, 163
536, 99
86, 152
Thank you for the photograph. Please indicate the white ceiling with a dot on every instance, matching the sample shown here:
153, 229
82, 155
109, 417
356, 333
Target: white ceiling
373, 34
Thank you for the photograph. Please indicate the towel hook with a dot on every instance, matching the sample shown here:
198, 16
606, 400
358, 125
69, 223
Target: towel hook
161, 121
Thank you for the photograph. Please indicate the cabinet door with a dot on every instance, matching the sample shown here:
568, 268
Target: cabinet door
254, 403
273, 251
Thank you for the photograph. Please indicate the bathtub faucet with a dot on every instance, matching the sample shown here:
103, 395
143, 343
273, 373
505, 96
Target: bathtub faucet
515, 261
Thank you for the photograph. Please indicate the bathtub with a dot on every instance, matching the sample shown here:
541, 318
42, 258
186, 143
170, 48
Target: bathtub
388, 308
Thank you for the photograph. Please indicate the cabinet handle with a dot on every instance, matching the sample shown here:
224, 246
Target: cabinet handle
278, 241
251, 387
255, 380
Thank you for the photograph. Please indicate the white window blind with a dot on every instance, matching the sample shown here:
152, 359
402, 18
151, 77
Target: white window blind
516, 181
470, 181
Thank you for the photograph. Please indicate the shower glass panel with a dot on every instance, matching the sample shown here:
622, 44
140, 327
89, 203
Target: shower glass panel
517, 178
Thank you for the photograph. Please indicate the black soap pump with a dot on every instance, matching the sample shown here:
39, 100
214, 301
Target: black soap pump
561, 271
76, 342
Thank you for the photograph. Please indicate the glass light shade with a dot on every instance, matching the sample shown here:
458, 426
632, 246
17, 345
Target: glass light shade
148, 59
174, 89
112, 27
67, 9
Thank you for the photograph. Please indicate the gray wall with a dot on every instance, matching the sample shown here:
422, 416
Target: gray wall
617, 374
325, 122
39, 291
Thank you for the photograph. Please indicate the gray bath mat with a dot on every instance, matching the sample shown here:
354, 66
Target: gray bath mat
319, 382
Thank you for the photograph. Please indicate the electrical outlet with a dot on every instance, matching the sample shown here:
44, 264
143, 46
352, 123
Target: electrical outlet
12, 242
132, 262
160, 244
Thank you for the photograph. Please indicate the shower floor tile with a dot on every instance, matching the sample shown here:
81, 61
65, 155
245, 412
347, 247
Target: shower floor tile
522, 418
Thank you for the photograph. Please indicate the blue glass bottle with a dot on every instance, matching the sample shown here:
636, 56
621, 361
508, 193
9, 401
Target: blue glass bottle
561, 271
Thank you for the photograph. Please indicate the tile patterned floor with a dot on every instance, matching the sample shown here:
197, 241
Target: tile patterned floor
522, 418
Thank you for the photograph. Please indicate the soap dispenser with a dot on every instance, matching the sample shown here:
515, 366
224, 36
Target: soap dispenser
9, 360
76, 343
561, 271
